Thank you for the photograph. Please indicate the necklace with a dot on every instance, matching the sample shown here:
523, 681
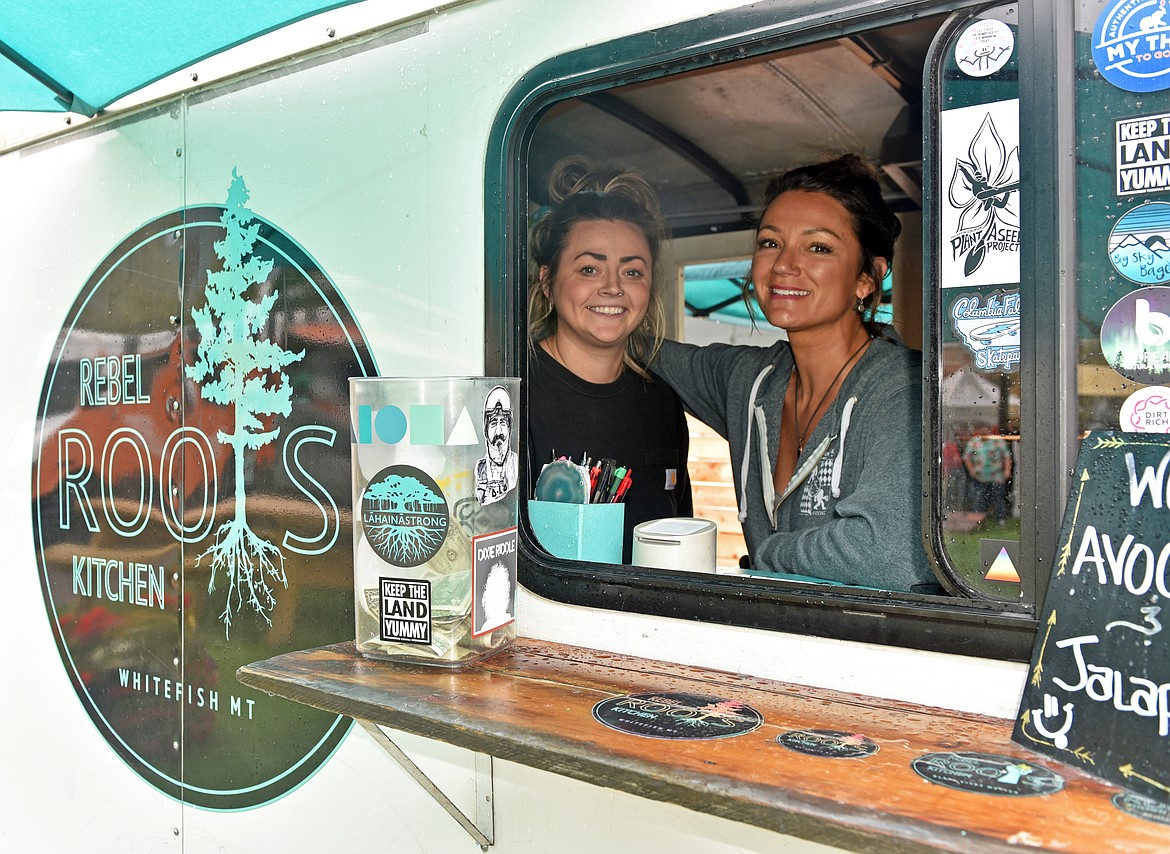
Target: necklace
800, 432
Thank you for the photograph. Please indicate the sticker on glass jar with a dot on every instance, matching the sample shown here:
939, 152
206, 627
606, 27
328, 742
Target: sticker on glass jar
404, 610
677, 716
493, 571
404, 516
987, 774
1135, 336
1139, 244
1147, 411
497, 472
828, 743
984, 48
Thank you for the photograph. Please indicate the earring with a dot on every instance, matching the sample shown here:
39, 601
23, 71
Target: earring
860, 305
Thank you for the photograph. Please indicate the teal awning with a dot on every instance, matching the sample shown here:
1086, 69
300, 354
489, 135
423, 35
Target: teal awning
82, 55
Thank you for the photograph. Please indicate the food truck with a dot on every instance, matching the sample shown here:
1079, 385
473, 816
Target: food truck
350, 198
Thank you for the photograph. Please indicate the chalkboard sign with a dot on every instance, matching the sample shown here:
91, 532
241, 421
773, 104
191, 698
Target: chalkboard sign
1098, 692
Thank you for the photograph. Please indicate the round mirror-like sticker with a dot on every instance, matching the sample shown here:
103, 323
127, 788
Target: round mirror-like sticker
404, 516
987, 774
1139, 244
984, 48
677, 716
829, 743
1139, 806
1135, 336
1147, 411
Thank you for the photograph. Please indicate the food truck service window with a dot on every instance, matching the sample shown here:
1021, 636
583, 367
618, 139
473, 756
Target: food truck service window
956, 107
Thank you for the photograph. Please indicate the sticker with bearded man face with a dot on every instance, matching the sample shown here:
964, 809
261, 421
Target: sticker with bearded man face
497, 473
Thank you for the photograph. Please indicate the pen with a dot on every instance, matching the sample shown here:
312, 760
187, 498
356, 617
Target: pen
619, 475
624, 486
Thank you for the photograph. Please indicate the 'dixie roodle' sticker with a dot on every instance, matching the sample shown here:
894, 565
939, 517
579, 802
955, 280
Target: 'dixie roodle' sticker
1139, 806
404, 516
987, 774
829, 743
677, 716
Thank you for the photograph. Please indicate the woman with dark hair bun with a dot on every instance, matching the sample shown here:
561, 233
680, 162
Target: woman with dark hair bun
825, 428
595, 317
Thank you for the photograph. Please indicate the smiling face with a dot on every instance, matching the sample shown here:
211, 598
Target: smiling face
807, 264
601, 287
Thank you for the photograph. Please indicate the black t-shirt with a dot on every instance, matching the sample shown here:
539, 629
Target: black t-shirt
635, 422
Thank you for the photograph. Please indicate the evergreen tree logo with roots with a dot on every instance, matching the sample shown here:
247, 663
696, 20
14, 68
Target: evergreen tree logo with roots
404, 516
238, 365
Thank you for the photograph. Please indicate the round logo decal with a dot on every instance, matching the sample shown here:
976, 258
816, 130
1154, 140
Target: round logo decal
677, 716
404, 516
1129, 45
1147, 411
828, 743
987, 774
984, 48
1139, 806
1135, 336
191, 472
1139, 244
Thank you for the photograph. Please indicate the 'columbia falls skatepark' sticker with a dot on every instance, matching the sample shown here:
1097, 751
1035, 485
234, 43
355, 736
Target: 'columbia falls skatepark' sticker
677, 716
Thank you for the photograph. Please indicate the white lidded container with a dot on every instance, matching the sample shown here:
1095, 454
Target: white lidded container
685, 543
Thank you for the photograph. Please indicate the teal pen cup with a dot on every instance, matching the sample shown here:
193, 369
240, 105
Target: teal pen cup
590, 532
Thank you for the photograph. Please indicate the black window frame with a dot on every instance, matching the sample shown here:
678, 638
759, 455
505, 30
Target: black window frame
966, 626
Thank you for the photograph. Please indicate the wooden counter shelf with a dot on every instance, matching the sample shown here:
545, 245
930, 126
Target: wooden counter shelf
533, 704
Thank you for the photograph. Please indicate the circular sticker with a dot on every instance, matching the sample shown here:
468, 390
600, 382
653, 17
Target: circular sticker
1139, 806
984, 48
1139, 244
1127, 45
987, 774
1135, 336
677, 716
1147, 411
404, 516
829, 743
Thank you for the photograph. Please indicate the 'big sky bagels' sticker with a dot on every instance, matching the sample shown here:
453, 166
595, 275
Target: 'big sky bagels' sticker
1139, 244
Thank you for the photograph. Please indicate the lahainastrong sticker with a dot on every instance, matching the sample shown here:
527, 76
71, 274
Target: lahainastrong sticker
404, 516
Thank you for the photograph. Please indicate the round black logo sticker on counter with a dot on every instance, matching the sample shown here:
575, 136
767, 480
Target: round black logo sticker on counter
678, 716
987, 774
1139, 806
829, 743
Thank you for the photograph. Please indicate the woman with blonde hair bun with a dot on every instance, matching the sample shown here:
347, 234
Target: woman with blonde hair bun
595, 318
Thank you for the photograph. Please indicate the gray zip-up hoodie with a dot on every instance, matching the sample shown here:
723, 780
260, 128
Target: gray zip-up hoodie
851, 512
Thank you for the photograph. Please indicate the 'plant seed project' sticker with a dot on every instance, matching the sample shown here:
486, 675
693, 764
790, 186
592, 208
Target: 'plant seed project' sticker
1139, 806
829, 743
987, 774
677, 716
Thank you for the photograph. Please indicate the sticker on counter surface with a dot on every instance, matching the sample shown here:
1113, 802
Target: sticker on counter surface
677, 716
987, 774
980, 223
1139, 244
829, 743
1139, 806
984, 48
1131, 45
1135, 336
989, 327
1147, 411
1142, 151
